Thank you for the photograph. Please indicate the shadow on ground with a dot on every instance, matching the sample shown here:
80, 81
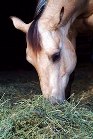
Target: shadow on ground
83, 84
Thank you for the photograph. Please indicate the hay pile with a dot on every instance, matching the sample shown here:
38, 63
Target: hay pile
38, 119
33, 117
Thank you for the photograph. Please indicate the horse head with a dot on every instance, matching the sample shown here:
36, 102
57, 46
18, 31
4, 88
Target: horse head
51, 46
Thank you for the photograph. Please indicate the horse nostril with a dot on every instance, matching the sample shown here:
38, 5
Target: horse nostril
63, 73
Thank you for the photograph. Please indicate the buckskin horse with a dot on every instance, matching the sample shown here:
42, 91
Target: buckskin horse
51, 42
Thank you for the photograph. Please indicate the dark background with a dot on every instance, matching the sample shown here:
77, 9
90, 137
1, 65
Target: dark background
13, 43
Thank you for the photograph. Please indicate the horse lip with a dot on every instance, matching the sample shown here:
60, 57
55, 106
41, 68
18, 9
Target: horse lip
54, 100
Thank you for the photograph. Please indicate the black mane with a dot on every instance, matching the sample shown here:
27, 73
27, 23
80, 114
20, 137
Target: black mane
41, 4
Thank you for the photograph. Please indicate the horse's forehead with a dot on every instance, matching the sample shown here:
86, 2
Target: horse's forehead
50, 41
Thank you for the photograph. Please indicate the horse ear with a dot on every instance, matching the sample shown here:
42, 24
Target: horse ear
19, 24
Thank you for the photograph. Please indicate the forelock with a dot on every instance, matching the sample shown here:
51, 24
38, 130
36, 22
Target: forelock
33, 35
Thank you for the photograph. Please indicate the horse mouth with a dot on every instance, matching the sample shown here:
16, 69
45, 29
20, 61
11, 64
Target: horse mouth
56, 100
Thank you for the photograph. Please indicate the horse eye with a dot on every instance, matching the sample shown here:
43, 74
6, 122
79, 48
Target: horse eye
56, 57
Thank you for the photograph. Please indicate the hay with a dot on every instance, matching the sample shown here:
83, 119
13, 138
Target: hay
33, 117
37, 118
